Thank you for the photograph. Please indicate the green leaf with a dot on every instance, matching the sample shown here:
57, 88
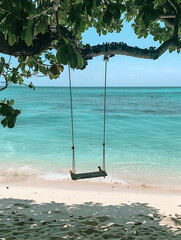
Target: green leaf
107, 17
104, 32
66, 5
28, 36
139, 2
116, 13
80, 59
11, 39
122, 7
12, 121
54, 70
43, 69
82, 25
43, 27
73, 61
9, 113
3, 60
11, 102
72, 57
1, 69
31, 86
62, 54
4, 122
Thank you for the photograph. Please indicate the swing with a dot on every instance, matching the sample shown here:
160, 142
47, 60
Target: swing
101, 171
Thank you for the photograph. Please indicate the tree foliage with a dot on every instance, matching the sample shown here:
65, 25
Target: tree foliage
44, 35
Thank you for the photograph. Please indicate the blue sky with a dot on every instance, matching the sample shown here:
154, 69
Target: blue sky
122, 70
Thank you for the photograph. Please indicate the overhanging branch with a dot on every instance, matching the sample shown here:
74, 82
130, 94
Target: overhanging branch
123, 49
41, 42
44, 41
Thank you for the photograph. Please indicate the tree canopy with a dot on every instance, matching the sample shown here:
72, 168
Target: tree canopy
45, 35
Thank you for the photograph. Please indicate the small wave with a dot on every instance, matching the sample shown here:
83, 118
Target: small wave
28, 173
22, 173
54, 176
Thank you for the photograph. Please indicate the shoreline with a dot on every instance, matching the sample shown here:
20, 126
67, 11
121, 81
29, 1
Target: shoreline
78, 192
93, 184
128, 177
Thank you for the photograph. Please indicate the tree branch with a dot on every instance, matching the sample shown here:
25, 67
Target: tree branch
168, 22
123, 49
41, 42
41, 13
176, 24
173, 4
167, 16
44, 41
6, 85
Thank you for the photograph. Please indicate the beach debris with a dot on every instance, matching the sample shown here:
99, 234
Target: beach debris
33, 225
43, 222
138, 223
66, 225
91, 222
129, 222
7, 187
178, 216
15, 212
66, 236
113, 224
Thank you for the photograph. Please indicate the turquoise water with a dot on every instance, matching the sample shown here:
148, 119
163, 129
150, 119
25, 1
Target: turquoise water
143, 134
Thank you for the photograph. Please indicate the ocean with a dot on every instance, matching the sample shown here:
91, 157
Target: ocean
143, 135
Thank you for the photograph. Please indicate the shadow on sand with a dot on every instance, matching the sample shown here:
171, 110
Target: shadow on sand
25, 219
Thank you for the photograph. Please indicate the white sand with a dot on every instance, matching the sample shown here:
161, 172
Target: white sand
84, 210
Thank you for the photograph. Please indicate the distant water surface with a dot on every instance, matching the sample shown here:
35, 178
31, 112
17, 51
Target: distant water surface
143, 134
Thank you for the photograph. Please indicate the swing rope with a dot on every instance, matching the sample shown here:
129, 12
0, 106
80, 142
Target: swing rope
104, 131
72, 123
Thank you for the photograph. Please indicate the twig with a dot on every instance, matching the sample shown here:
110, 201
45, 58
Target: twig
6, 85
42, 13
173, 4
9, 60
167, 16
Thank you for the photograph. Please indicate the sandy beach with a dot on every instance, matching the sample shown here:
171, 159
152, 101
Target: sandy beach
85, 210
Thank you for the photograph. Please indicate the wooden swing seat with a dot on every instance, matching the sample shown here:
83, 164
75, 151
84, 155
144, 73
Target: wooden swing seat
78, 176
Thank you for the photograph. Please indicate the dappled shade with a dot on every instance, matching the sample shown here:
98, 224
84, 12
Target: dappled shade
25, 219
